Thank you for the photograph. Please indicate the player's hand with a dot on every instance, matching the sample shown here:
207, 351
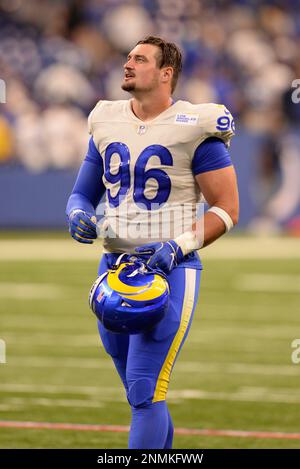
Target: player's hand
164, 256
82, 227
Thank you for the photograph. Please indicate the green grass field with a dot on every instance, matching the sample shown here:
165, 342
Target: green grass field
234, 372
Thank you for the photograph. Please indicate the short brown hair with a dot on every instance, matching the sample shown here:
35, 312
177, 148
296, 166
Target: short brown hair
170, 56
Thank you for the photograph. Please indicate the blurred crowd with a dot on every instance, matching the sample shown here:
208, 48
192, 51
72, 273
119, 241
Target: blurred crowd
58, 58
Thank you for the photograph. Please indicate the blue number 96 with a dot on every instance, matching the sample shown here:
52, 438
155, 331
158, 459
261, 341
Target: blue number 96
225, 123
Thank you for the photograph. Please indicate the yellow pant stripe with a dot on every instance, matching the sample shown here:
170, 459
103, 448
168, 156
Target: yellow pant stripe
187, 308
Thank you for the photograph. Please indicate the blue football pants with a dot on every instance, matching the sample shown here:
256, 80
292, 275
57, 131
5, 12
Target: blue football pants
145, 361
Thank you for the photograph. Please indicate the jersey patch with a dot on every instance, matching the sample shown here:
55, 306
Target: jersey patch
186, 119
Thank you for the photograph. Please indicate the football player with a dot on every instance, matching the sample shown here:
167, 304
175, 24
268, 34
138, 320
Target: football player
151, 155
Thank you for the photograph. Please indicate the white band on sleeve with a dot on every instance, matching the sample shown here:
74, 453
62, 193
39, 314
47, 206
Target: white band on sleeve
223, 215
188, 242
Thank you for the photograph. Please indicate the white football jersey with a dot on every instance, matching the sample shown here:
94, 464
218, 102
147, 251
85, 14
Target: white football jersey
151, 192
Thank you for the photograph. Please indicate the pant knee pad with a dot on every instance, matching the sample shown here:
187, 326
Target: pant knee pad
141, 392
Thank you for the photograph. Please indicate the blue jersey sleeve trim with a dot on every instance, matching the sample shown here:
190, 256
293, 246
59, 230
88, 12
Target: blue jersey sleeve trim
210, 155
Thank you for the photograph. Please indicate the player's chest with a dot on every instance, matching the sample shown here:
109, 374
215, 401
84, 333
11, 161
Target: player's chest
144, 144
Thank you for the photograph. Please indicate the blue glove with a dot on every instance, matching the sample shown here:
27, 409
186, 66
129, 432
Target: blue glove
164, 256
81, 227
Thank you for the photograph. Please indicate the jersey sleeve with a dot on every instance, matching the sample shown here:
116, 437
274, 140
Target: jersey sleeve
218, 123
89, 186
210, 155
93, 155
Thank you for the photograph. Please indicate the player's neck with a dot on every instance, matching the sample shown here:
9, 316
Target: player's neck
147, 107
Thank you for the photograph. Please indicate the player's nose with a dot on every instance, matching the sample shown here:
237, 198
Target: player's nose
127, 68
129, 64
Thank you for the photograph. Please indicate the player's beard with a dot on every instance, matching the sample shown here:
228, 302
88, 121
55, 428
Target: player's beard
129, 87
132, 88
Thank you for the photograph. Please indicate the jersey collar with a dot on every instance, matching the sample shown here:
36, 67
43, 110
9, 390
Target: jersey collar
165, 113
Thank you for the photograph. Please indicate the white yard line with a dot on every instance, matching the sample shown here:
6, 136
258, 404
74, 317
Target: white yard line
246, 393
61, 389
31, 291
243, 394
266, 395
125, 429
23, 402
48, 249
181, 366
268, 283
63, 340
225, 248
253, 248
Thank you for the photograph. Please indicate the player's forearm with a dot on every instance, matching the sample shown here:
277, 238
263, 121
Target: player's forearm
79, 202
209, 228
88, 189
212, 228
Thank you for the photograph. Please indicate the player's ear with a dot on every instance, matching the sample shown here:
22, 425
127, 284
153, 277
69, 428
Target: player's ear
167, 74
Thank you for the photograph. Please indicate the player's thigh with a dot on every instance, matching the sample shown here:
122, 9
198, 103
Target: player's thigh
152, 355
184, 290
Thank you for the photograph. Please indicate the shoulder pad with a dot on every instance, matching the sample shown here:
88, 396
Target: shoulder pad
90, 117
106, 111
217, 122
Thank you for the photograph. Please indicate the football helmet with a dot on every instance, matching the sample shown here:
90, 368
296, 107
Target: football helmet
131, 297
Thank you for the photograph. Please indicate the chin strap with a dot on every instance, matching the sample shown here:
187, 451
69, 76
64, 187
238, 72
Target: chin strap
143, 266
119, 261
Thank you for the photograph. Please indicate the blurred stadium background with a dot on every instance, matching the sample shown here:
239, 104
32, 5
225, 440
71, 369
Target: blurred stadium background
57, 58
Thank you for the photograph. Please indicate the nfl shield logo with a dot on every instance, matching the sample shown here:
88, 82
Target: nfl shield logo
141, 129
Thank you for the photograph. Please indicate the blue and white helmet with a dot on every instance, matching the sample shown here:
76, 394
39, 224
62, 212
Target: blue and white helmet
130, 297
